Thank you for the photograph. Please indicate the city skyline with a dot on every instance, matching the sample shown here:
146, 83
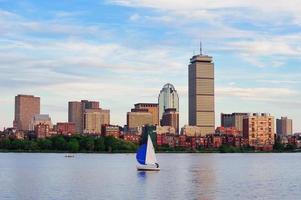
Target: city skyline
70, 54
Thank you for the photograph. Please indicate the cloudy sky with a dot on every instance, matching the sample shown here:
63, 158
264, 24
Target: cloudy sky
121, 52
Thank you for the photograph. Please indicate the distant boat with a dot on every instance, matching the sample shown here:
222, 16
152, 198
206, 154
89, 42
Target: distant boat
69, 156
146, 157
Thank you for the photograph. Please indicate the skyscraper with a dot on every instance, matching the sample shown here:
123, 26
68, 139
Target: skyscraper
26, 107
152, 108
284, 126
78, 109
168, 98
201, 93
171, 118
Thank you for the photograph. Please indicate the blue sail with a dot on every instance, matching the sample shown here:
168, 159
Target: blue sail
141, 154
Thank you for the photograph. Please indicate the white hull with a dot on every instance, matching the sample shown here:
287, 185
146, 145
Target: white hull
147, 168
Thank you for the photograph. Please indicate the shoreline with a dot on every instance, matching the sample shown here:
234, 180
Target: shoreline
158, 152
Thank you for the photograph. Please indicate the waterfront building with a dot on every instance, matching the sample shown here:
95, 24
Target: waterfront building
92, 119
41, 119
171, 118
168, 98
42, 131
104, 116
165, 130
26, 107
259, 129
77, 111
138, 118
110, 130
227, 131
192, 131
201, 93
65, 128
284, 126
152, 108
233, 120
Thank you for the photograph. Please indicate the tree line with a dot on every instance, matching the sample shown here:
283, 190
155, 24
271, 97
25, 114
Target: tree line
73, 144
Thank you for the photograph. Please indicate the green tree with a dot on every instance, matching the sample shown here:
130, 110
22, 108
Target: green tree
87, 143
5, 144
100, 144
45, 144
73, 145
59, 143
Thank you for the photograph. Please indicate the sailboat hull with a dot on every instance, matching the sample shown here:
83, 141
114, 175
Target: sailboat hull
147, 168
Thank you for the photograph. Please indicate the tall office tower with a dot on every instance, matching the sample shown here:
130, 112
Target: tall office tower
171, 118
104, 117
233, 120
259, 129
152, 108
26, 107
75, 115
77, 109
92, 119
201, 93
284, 126
168, 98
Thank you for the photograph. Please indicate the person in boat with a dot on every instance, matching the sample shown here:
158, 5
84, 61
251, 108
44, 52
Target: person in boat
157, 165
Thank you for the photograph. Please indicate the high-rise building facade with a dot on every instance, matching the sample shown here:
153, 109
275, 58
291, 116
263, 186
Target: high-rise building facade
284, 126
77, 110
138, 118
92, 121
168, 98
76, 114
259, 129
152, 108
171, 118
201, 93
26, 107
233, 120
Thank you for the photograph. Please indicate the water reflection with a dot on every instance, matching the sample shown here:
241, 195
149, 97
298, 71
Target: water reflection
182, 176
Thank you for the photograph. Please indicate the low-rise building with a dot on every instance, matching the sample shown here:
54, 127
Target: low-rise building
110, 130
42, 131
65, 128
191, 131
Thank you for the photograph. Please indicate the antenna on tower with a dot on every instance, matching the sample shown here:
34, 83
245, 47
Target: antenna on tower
201, 50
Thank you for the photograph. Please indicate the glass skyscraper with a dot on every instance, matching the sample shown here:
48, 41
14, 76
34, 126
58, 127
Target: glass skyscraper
168, 98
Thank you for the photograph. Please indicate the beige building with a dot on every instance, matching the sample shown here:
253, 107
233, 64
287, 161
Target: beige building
77, 110
284, 126
259, 129
104, 117
26, 107
138, 118
192, 131
41, 119
152, 108
201, 93
92, 119
165, 130
233, 120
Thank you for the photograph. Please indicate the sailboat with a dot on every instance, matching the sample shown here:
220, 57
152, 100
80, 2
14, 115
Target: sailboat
146, 157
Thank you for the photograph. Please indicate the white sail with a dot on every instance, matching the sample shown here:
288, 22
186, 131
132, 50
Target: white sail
150, 152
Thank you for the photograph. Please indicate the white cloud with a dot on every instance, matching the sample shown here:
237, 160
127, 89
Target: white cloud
260, 94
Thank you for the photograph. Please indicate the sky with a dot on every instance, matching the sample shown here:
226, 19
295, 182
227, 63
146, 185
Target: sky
121, 52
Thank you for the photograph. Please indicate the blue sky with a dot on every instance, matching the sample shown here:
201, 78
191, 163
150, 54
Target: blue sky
121, 52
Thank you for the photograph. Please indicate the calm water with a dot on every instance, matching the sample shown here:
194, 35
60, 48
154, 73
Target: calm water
183, 176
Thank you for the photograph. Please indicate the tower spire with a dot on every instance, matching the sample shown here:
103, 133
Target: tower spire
201, 50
